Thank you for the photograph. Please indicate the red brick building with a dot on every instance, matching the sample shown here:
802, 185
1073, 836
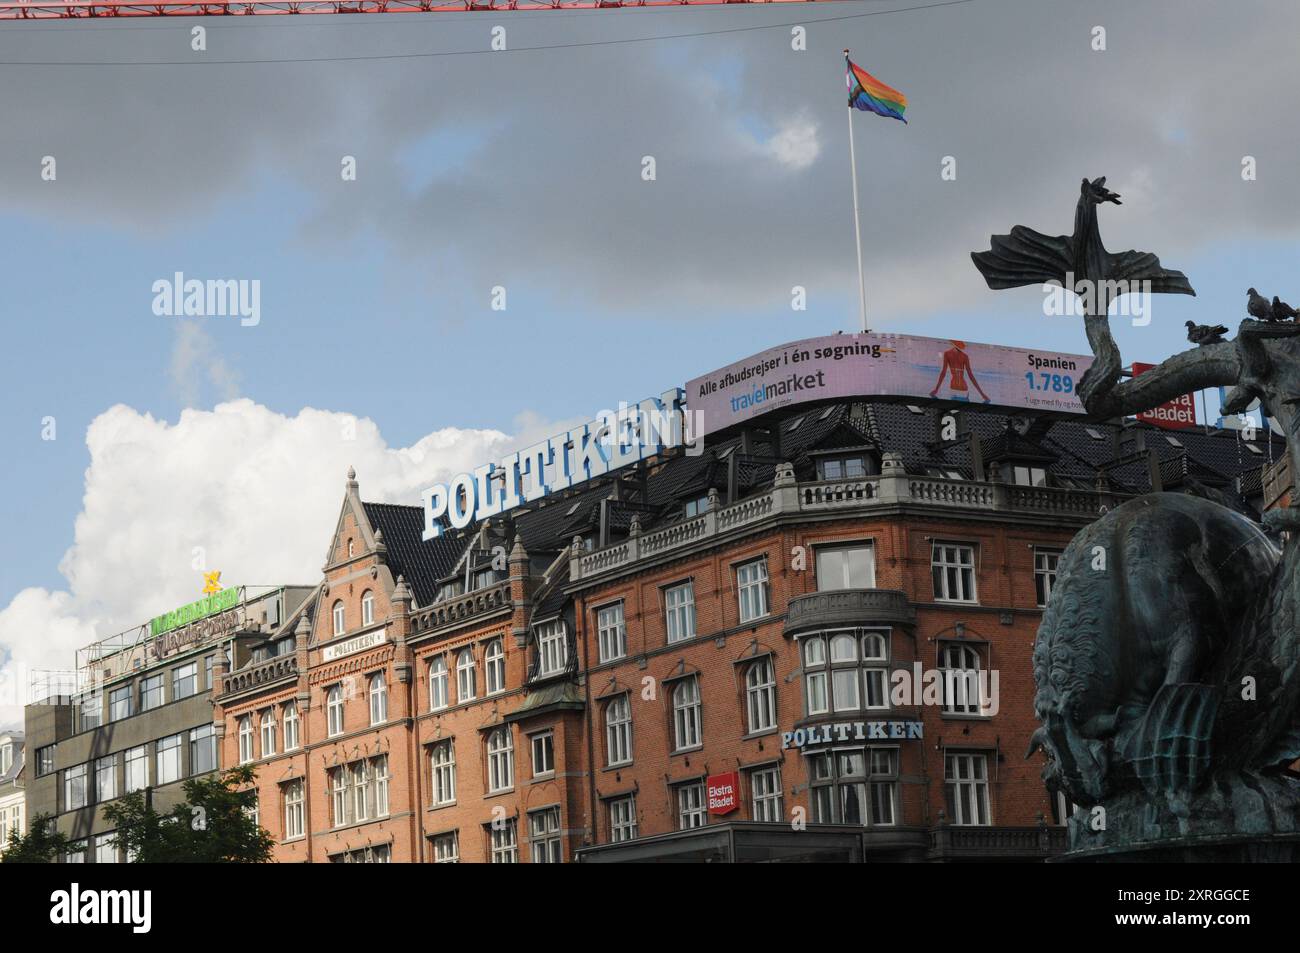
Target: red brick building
809, 641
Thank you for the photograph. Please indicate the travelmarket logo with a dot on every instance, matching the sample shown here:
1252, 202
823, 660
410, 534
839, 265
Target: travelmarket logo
75, 906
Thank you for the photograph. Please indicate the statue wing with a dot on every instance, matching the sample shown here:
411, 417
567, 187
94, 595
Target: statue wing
1144, 266
1025, 257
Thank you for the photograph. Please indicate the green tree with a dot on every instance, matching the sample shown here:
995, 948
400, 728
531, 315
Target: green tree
42, 845
212, 826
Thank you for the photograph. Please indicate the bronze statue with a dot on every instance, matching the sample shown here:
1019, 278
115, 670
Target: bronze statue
1168, 661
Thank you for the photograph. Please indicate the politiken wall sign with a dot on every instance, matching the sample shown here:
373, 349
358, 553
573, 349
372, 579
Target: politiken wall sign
885, 365
846, 731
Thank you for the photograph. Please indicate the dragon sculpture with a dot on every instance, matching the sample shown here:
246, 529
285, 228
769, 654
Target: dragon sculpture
1168, 661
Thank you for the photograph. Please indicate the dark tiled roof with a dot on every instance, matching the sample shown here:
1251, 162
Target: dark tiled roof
421, 563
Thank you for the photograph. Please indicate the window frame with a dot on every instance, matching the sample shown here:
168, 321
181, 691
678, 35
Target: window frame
940, 569
683, 612
757, 589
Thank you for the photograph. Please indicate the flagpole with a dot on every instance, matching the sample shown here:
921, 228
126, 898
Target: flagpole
857, 229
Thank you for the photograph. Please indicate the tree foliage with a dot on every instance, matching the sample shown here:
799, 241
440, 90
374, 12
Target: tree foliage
213, 825
42, 844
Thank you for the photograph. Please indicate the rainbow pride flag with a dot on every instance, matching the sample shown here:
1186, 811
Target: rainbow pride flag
871, 95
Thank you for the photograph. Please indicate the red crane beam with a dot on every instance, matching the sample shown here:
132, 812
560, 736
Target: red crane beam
73, 9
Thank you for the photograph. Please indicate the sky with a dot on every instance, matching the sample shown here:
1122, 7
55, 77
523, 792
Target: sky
143, 447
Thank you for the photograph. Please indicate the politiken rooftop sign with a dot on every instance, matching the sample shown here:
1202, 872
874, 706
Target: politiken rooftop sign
612, 440
886, 365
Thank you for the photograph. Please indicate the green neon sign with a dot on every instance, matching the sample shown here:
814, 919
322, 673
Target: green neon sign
202, 608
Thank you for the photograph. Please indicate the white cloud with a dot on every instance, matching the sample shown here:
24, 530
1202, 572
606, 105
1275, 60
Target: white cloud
795, 145
259, 492
194, 359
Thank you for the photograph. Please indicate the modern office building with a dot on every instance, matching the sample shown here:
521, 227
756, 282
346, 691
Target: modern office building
136, 713
13, 794
806, 638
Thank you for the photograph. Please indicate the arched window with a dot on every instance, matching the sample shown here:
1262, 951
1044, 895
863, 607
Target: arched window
291, 726
814, 664
443, 760
618, 731
501, 760
846, 671
351, 549
465, 675
760, 695
268, 732
494, 667
338, 617
378, 699
246, 739
845, 684
367, 608
334, 709
960, 665
686, 713
875, 670
438, 683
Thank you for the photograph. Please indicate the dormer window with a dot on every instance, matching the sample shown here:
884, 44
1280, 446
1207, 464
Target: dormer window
1029, 476
697, 507
843, 468
6, 758
484, 578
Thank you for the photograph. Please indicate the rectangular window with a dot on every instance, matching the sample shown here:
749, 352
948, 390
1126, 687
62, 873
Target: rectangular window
544, 835
167, 758
185, 681
151, 692
294, 817
379, 778
203, 750
622, 819
106, 778
106, 848
687, 714
268, 732
611, 632
679, 611
207, 671
846, 567
953, 569
552, 649
446, 849
884, 775
543, 744
119, 703
75, 794
45, 761
1045, 563
362, 801
765, 786
967, 783
690, 806
751, 589
505, 843
341, 802
136, 773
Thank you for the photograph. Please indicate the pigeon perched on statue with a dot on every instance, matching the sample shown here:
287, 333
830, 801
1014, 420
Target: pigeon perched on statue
1259, 307
1203, 334
1282, 311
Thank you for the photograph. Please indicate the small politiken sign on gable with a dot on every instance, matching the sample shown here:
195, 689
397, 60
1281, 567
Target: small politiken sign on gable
723, 791
358, 643
1176, 414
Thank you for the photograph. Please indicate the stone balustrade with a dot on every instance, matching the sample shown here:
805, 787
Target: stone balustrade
852, 498
260, 674
467, 606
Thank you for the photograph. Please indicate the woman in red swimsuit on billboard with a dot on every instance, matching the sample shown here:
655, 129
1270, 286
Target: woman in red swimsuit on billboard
956, 364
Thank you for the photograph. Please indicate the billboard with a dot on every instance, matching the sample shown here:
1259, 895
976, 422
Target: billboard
886, 365
1176, 414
